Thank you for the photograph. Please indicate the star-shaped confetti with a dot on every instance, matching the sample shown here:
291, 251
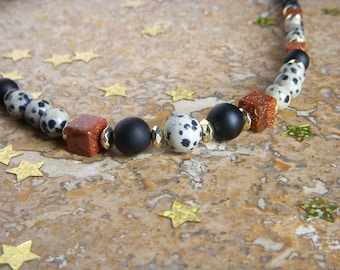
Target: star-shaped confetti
154, 30
26, 169
134, 4
319, 209
15, 256
331, 11
85, 56
181, 213
300, 133
115, 90
265, 21
16, 55
58, 60
13, 75
7, 153
181, 93
36, 95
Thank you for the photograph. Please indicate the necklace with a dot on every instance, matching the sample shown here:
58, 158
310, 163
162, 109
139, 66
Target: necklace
88, 134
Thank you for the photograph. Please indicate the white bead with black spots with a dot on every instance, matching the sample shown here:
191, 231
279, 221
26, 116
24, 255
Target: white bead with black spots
294, 67
291, 82
16, 101
292, 21
182, 133
296, 34
53, 121
281, 94
34, 111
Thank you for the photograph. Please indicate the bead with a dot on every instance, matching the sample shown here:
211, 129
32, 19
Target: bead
291, 81
207, 131
83, 134
53, 121
157, 136
35, 108
296, 45
261, 108
16, 101
293, 67
246, 118
182, 133
293, 21
281, 94
298, 56
227, 121
106, 138
288, 10
286, 3
296, 34
5, 86
132, 135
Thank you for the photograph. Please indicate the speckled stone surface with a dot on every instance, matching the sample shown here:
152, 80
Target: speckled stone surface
103, 212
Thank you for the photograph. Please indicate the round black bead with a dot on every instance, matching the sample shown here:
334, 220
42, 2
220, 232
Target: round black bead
299, 56
5, 86
227, 121
132, 135
293, 3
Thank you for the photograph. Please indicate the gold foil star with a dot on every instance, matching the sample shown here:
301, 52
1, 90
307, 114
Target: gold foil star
58, 60
36, 95
181, 93
114, 90
134, 4
7, 153
15, 256
26, 169
17, 55
299, 132
154, 30
85, 56
319, 209
13, 75
181, 213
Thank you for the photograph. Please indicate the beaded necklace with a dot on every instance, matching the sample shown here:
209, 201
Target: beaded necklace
88, 134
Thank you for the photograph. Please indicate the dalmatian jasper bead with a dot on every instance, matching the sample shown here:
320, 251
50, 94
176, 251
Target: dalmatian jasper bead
281, 94
182, 133
296, 34
294, 67
16, 101
53, 121
34, 110
293, 21
291, 82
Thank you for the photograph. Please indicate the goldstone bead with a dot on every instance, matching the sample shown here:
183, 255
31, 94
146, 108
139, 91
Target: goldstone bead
281, 94
16, 101
53, 121
35, 108
182, 133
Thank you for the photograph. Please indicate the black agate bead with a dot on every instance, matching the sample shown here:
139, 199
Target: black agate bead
299, 56
227, 121
132, 136
5, 86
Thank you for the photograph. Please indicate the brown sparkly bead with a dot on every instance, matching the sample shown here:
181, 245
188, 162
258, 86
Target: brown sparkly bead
261, 108
292, 10
83, 134
296, 45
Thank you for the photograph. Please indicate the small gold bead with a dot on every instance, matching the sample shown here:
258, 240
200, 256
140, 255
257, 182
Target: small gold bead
106, 138
207, 131
157, 136
63, 135
246, 118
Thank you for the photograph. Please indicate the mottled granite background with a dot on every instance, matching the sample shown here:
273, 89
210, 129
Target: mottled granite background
102, 212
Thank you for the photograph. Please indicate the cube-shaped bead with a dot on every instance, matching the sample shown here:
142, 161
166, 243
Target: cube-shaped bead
82, 134
262, 109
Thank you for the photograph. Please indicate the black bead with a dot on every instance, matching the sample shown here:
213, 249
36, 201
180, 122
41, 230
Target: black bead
227, 121
286, 3
132, 135
299, 56
5, 86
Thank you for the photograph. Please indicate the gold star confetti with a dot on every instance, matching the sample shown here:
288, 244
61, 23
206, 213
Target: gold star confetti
154, 30
36, 95
7, 153
181, 213
299, 132
264, 21
85, 56
331, 11
134, 4
319, 209
58, 60
26, 169
15, 256
181, 93
13, 75
114, 90
18, 54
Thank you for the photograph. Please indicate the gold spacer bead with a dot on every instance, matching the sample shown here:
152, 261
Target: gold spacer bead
106, 138
207, 131
63, 135
157, 136
246, 118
